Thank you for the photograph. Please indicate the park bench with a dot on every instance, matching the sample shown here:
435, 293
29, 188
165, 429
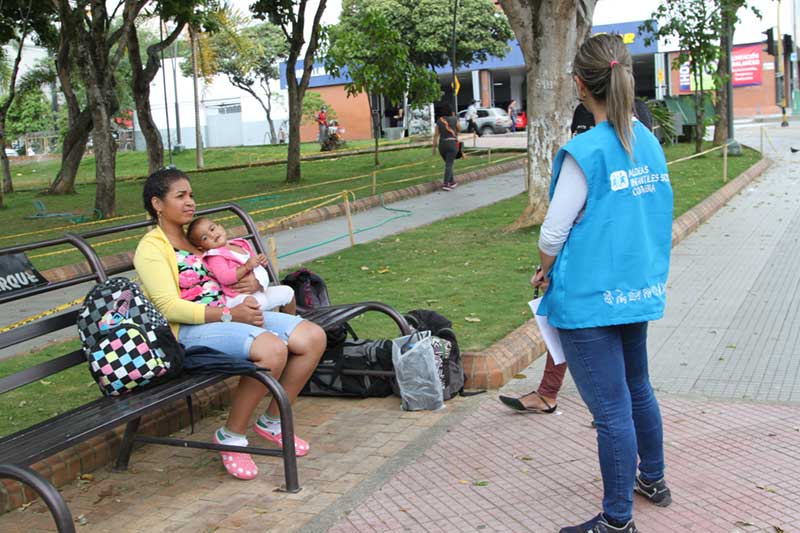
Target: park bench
31, 445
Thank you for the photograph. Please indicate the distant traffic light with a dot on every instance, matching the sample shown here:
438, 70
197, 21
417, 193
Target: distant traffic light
770, 42
788, 45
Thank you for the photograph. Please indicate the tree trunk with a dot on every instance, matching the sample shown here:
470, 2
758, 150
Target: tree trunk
549, 33
8, 185
295, 116
72, 149
141, 95
721, 133
198, 136
375, 130
699, 112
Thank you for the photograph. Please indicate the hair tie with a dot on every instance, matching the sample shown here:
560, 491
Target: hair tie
614, 62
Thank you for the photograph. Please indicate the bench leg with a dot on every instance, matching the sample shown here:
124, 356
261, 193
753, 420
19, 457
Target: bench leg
287, 429
52, 498
191, 413
126, 447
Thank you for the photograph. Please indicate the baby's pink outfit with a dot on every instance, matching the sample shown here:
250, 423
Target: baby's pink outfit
222, 264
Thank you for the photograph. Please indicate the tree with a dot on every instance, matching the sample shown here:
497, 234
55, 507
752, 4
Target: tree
426, 27
249, 56
144, 69
18, 18
311, 106
377, 63
728, 19
696, 25
29, 113
549, 33
89, 39
290, 17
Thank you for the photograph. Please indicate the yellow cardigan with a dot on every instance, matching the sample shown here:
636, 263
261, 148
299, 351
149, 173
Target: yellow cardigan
157, 267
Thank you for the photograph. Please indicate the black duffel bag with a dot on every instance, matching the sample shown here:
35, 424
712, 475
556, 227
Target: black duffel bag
356, 355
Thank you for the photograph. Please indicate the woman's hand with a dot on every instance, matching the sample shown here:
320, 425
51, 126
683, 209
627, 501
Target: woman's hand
248, 312
262, 260
540, 281
247, 285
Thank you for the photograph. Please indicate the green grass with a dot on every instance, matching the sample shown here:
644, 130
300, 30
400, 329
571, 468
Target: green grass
464, 267
265, 186
38, 174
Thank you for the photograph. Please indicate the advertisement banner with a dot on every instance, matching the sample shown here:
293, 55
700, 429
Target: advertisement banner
746, 65
17, 274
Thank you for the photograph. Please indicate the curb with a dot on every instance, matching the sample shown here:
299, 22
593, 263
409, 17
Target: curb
495, 366
314, 216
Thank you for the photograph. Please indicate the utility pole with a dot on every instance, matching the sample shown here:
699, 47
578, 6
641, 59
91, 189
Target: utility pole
733, 147
198, 137
453, 59
781, 71
178, 145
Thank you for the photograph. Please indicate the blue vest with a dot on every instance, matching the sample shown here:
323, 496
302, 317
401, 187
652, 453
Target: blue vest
613, 267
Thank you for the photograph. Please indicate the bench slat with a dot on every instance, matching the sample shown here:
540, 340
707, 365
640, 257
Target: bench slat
42, 370
39, 328
104, 414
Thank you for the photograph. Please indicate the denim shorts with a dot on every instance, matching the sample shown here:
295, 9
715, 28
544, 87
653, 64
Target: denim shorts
236, 338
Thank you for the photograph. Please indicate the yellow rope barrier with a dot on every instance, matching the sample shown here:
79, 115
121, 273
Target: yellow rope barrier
696, 155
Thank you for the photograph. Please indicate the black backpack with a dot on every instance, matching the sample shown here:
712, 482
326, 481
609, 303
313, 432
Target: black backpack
357, 354
127, 342
310, 290
445, 348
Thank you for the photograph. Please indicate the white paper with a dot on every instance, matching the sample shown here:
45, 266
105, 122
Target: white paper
549, 334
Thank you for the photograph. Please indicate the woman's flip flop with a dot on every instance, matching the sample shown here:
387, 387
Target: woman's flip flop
301, 447
517, 405
239, 465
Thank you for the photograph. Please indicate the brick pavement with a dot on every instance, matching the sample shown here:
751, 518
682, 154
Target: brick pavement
732, 464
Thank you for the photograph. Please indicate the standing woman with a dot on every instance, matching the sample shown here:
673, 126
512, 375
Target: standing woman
604, 267
172, 273
445, 135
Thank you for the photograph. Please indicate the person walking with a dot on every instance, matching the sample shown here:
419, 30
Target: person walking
445, 137
612, 202
472, 119
512, 112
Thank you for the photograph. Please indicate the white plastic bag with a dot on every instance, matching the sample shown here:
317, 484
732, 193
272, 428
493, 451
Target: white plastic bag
416, 373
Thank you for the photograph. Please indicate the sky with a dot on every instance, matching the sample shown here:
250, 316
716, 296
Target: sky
613, 11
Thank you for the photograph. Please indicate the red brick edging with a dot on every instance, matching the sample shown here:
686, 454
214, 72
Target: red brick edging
496, 365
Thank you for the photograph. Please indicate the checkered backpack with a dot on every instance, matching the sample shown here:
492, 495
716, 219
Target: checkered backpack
127, 342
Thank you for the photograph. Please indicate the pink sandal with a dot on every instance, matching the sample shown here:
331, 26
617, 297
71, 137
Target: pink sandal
301, 447
239, 465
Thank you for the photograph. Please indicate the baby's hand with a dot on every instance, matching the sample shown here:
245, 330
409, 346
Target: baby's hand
251, 302
251, 263
262, 260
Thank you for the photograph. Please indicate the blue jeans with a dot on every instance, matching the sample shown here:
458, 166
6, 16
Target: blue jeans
609, 367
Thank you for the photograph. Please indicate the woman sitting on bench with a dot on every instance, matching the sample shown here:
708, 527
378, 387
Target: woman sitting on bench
173, 277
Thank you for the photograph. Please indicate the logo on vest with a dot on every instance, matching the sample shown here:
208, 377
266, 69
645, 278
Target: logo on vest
619, 180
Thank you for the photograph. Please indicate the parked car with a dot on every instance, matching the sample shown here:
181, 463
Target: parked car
490, 120
10, 152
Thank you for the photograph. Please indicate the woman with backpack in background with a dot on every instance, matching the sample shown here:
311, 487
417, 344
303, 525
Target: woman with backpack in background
171, 271
604, 269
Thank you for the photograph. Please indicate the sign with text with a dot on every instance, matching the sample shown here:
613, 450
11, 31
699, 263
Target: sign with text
746, 65
17, 274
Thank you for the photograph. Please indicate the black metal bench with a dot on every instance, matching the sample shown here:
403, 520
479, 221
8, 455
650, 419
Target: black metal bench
24, 448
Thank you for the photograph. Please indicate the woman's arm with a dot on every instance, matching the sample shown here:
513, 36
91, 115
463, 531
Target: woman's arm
566, 207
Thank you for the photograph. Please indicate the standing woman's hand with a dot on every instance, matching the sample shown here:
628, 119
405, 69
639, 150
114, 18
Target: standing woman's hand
540, 281
247, 285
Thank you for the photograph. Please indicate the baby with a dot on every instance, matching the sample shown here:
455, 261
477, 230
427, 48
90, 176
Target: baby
230, 260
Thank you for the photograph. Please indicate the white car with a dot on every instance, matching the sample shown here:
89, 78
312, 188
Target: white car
10, 152
490, 120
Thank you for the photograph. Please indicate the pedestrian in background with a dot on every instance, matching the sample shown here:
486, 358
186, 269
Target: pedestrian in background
445, 137
605, 277
472, 117
512, 112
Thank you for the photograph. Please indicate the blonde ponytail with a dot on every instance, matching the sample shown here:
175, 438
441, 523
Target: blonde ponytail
605, 66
